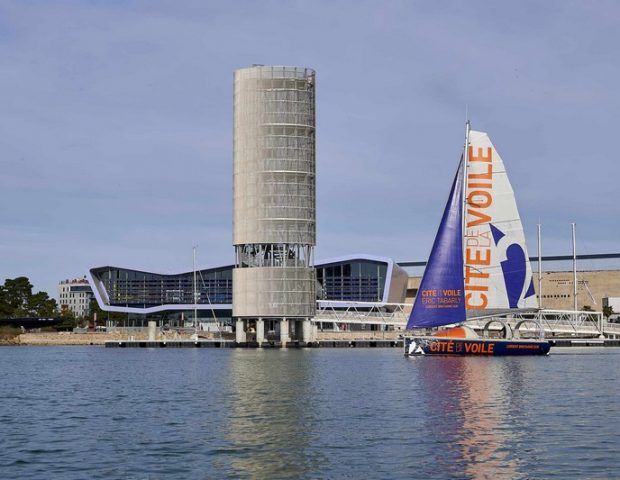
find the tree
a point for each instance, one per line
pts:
(5, 309)
(40, 305)
(608, 311)
(15, 295)
(17, 300)
(68, 319)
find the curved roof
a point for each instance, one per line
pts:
(104, 301)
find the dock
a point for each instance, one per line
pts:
(584, 342)
(560, 343)
(265, 345)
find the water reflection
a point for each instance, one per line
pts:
(271, 416)
(76, 413)
(470, 414)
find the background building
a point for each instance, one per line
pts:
(598, 277)
(75, 295)
(274, 204)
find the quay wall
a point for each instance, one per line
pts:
(98, 338)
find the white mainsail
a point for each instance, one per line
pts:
(497, 270)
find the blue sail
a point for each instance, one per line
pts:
(440, 298)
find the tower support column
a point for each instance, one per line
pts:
(260, 331)
(306, 331)
(240, 331)
(284, 332)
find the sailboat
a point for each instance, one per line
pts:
(478, 266)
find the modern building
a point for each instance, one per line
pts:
(365, 280)
(75, 295)
(274, 204)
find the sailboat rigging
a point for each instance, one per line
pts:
(478, 263)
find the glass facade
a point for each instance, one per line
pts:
(355, 281)
(132, 288)
(348, 280)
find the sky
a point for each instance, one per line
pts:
(116, 123)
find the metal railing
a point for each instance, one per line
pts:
(366, 313)
(395, 316)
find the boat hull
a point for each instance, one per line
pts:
(486, 347)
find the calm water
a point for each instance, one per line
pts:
(77, 413)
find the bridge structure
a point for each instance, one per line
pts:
(343, 316)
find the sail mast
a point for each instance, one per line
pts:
(574, 270)
(540, 295)
(464, 194)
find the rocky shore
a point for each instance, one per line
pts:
(9, 340)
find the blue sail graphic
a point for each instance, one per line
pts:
(440, 298)
(514, 270)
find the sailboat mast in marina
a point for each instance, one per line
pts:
(478, 263)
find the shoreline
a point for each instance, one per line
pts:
(176, 340)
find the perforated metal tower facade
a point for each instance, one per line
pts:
(274, 203)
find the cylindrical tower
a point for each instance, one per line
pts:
(274, 203)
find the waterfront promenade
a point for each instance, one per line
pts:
(139, 339)
(141, 335)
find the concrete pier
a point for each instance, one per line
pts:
(152, 329)
(307, 331)
(272, 344)
(240, 335)
(323, 343)
(284, 331)
(260, 331)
